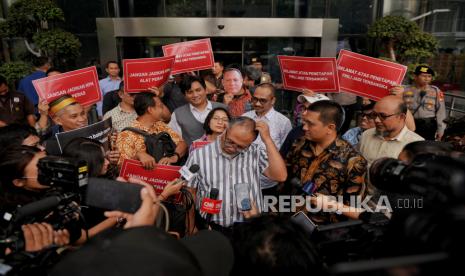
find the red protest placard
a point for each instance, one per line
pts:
(210, 206)
(143, 73)
(366, 76)
(190, 55)
(82, 84)
(315, 73)
(158, 177)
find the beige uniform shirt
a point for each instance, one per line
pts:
(429, 106)
(373, 146)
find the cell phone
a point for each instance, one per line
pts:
(242, 196)
(113, 195)
(305, 222)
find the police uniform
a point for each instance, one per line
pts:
(427, 106)
(15, 107)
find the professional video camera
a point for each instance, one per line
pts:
(435, 179)
(426, 238)
(59, 207)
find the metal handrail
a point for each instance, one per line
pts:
(452, 105)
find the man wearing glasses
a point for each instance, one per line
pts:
(233, 159)
(366, 121)
(263, 101)
(390, 134)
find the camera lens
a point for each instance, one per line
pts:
(385, 173)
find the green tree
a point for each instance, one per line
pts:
(36, 22)
(14, 71)
(403, 40)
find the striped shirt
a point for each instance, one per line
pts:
(218, 170)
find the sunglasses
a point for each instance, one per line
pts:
(262, 101)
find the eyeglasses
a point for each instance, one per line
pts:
(381, 116)
(230, 143)
(368, 115)
(225, 119)
(262, 101)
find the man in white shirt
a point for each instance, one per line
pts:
(391, 134)
(263, 101)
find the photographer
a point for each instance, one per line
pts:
(19, 186)
(18, 177)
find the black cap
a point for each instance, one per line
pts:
(150, 251)
(423, 69)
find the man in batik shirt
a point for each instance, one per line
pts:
(326, 162)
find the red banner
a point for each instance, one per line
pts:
(315, 73)
(141, 74)
(157, 177)
(210, 206)
(191, 55)
(82, 84)
(366, 76)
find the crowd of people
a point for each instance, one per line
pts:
(330, 145)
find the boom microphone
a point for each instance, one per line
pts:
(37, 207)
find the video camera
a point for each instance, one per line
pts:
(63, 174)
(435, 179)
(426, 239)
(59, 207)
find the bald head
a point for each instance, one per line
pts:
(244, 125)
(391, 111)
(392, 104)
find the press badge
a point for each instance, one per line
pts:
(16, 99)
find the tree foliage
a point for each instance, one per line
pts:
(403, 39)
(35, 21)
(14, 71)
(58, 43)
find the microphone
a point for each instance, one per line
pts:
(422, 94)
(213, 195)
(188, 174)
(309, 188)
(37, 207)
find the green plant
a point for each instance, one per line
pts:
(14, 71)
(403, 39)
(58, 43)
(34, 21)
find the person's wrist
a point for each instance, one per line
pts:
(178, 157)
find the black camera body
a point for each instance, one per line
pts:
(65, 174)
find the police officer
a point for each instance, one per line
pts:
(426, 102)
(264, 76)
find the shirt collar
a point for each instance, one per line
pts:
(108, 78)
(399, 136)
(137, 124)
(209, 107)
(269, 115)
(122, 111)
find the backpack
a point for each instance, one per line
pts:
(158, 145)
